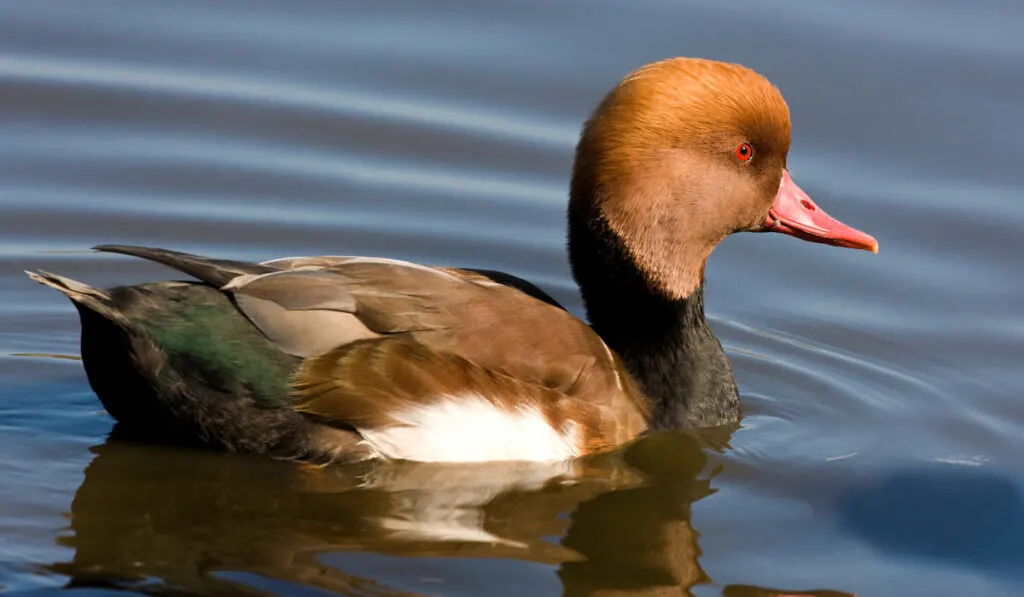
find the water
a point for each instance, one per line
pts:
(881, 451)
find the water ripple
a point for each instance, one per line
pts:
(298, 95)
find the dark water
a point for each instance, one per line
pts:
(881, 451)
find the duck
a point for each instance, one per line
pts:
(330, 359)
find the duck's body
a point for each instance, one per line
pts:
(329, 358)
(340, 358)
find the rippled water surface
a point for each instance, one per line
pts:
(881, 452)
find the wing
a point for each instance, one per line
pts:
(309, 310)
(308, 305)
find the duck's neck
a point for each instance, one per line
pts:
(665, 343)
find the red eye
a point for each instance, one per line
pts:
(744, 152)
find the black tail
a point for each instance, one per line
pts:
(215, 272)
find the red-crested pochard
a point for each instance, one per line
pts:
(342, 358)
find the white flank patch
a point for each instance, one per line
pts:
(468, 428)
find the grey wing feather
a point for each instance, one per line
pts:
(308, 311)
(298, 290)
(304, 332)
(305, 312)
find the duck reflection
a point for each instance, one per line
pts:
(164, 521)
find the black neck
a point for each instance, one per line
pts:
(665, 343)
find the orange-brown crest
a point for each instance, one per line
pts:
(690, 101)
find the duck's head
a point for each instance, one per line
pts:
(682, 153)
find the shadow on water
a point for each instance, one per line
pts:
(174, 522)
(969, 517)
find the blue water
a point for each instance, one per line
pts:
(880, 454)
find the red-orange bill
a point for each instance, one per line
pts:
(794, 213)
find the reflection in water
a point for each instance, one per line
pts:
(170, 521)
